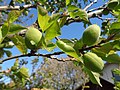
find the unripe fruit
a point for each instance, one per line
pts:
(32, 38)
(91, 35)
(93, 62)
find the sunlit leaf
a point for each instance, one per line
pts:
(62, 21)
(19, 43)
(68, 2)
(54, 17)
(103, 50)
(13, 15)
(113, 58)
(69, 50)
(116, 45)
(75, 12)
(4, 30)
(94, 77)
(24, 72)
(15, 28)
(52, 31)
(115, 27)
(43, 18)
(49, 46)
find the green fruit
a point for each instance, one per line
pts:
(112, 4)
(93, 62)
(32, 38)
(91, 35)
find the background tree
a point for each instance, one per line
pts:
(43, 33)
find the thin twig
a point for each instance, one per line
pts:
(17, 7)
(88, 6)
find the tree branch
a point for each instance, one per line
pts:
(88, 6)
(17, 7)
(29, 55)
(90, 15)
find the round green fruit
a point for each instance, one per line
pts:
(32, 38)
(93, 62)
(91, 35)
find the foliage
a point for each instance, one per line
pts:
(52, 15)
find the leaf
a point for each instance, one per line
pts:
(78, 45)
(116, 71)
(67, 49)
(24, 72)
(52, 31)
(0, 35)
(1, 54)
(13, 15)
(116, 45)
(62, 21)
(68, 42)
(4, 30)
(114, 27)
(54, 17)
(72, 8)
(49, 46)
(113, 58)
(19, 43)
(8, 53)
(15, 28)
(103, 50)
(75, 11)
(68, 2)
(81, 13)
(94, 77)
(43, 18)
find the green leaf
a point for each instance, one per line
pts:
(52, 31)
(116, 45)
(43, 18)
(113, 58)
(15, 28)
(54, 17)
(24, 72)
(103, 50)
(67, 49)
(49, 46)
(115, 27)
(4, 30)
(72, 8)
(78, 45)
(68, 2)
(19, 43)
(116, 71)
(0, 35)
(62, 21)
(94, 77)
(68, 42)
(75, 11)
(81, 13)
(13, 15)
(8, 53)
(1, 53)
